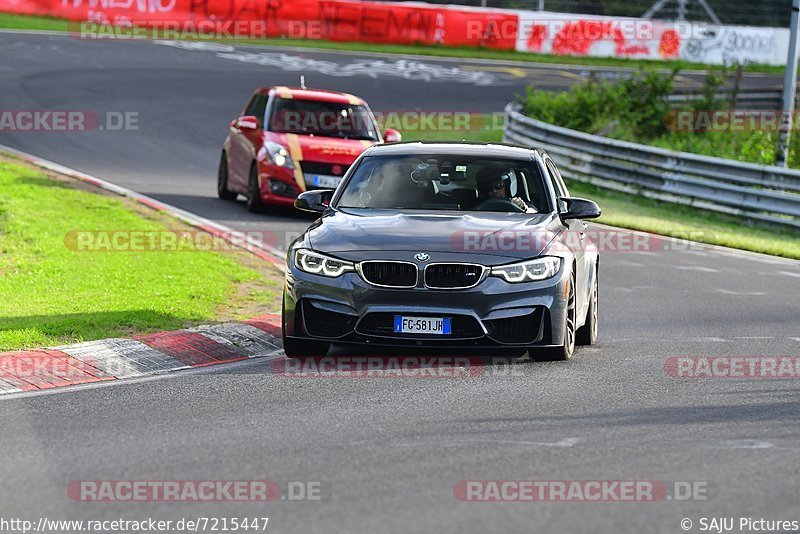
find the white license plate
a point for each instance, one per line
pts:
(422, 325)
(320, 180)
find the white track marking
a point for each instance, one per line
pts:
(6, 388)
(122, 358)
(241, 338)
(740, 293)
(566, 442)
(697, 268)
(740, 444)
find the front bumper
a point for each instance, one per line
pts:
(494, 313)
(281, 186)
(277, 185)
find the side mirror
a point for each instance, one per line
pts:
(392, 136)
(580, 208)
(247, 122)
(315, 201)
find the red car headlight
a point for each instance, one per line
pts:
(278, 155)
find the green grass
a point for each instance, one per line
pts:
(52, 294)
(25, 22)
(684, 222)
(10, 21)
(489, 135)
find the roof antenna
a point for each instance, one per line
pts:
(303, 82)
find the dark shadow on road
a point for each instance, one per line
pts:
(786, 411)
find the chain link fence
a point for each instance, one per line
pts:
(773, 13)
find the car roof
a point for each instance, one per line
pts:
(490, 150)
(319, 95)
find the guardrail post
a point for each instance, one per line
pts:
(787, 121)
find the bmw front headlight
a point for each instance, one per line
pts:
(316, 263)
(530, 270)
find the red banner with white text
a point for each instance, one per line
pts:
(335, 20)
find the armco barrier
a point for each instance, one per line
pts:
(757, 192)
(767, 99)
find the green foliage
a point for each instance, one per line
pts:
(711, 87)
(636, 109)
(639, 102)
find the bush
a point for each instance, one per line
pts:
(638, 102)
(636, 109)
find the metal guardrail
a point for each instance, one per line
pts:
(761, 100)
(756, 192)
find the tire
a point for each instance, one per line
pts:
(564, 352)
(301, 349)
(587, 334)
(222, 180)
(254, 203)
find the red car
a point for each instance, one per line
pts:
(289, 140)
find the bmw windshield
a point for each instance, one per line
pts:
(458, 183)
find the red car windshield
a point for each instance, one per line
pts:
(326, 119)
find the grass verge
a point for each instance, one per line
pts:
(477, 136)
(51, 293)
(25, 22)
(685, 222)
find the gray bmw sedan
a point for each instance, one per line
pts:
(453, 245)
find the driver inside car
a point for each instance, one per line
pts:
(494, 183)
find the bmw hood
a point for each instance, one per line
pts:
(356, 234)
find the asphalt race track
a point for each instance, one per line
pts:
(388, 452)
